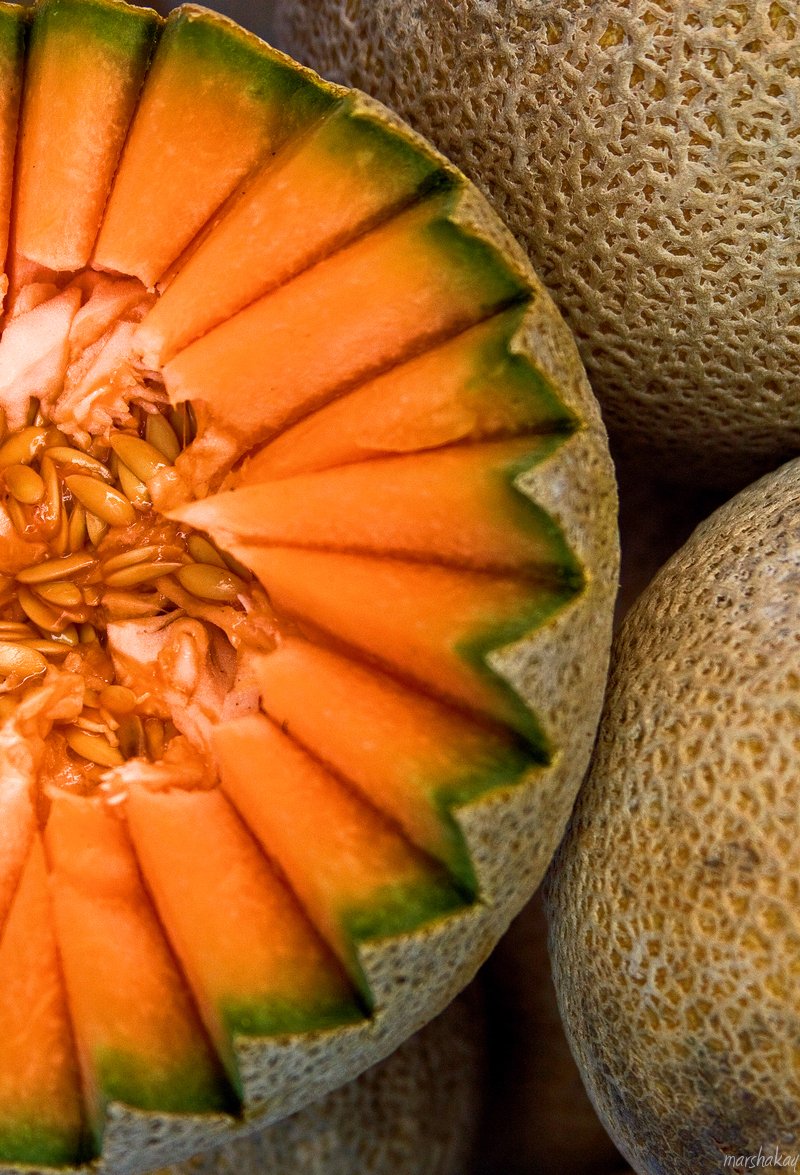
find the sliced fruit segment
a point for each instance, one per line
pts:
(413, 757)
(13, 20)
(41, 1116)
(139, 1037)
(345, 174)
(86, 65)
(457, 505)
(399, 288)
(434, 625)
(354, 872)
(473, 387)
(17, 821)
(216, 100)
(34, 353)
(268, 972)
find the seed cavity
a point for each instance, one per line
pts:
(104, 556)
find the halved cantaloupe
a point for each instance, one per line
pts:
(296, 751)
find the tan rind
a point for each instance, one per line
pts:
(415, 1113)
(674, 908)
(648, 157)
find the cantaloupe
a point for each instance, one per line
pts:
(674, 919)
(299, 735)
(647, 156)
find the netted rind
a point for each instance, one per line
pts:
(415, 1112)
(648, 155)
(674, 899)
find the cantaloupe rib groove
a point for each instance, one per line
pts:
(408, 345)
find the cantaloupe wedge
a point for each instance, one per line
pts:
(353, 870)
(411, 756)
(308, 554)
(435, 626)
(139, 1037)
(41, 1103)
(344, 175)
(85, 67)
(407, 284)
(473, 387)
(254, 962)
(457, 506)
(211, 134)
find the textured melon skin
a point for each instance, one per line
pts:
(673, 900)
(647, 156)
(511, 833)
(416, 1113)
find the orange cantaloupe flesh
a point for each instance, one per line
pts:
(473, 387)
(455, 506)
(86, 64)
(139, 1037)
(34, 354)
(434, 625)
(418, 277)
(255, 964)
(17, 827)
(215, 102)
(410, 755)
(12, 51)
(347, 172)
(41, 1108)
(355, 874)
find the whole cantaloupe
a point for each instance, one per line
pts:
(647, 155)
(675, 918)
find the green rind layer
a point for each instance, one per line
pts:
(392, 910)
(184, 1089)
(280, 1016)
(28, 1144)
(474, 649)
(203, 44)
(352, 130)
(481, 264)
(121, 30)
(506, 770)
(502, 374)
(13, 28)
(401, 908)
